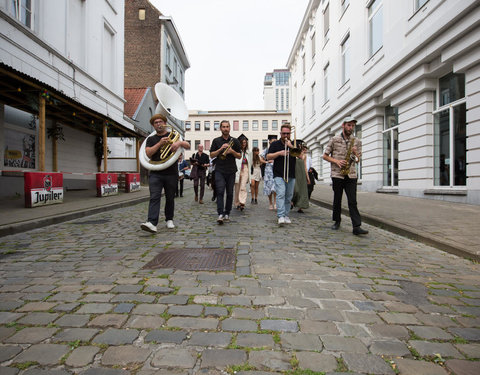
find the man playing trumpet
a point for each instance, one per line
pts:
(161, 179)
(225, 150)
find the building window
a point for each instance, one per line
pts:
(264, 125)
(264, 144)
(326, 22)
(345, 4)
(419, 4)
(108, 57)
(141, 14)
(255, 125)
(255, 143)
(325, 84)
(236, 125)
(20, 130)
(216, 125)
(197, 126)
(450, 138)
(313, 47)
(245, 125)
(303, 112)
(206, 125)
(188, 126)
(274, 124)
(303, 66)
(346, 59)
(23, 10)
(375, 26)
(390, 147)
(168, 53)
(197, 143)
(207, 144)
(313, 98)
(287, 107)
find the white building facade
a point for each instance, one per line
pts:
(277, 90)
(72, 53)
(203, 126)
(409, 71)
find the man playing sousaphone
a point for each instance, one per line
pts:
(161, 179)
(343, 151)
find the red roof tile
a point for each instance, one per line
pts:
(133, 99)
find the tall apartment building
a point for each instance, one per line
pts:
(203, 126)
(61, 87)
(276, 90)
(409, 71)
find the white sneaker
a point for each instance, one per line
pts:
(170, 224)
(149, 227)
(226, 218)
(220, 219)
(281, 221)
(287, 220)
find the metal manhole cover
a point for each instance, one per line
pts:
(97, 221)
(194, 260)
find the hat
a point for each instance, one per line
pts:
(158, 116)
(241, 137)
(272, 136)
(349, 119)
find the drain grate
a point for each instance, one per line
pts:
(194, 260)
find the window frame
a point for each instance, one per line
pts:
(370, 17)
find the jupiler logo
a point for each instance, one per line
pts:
(47, 182)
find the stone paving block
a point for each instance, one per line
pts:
(6, 332)
(352, 330)
(430, 333)
(395, 306)
(248, 313)
(174, 300)
(10, 305)
(175, 358)
(73, 320)
(367, 363)
(267, 301)
(325, 315)
(285, 313)
(470, 350)
(193, 323)
(95, 308)
(8, 317)
(279, 325)
(390, 348)
(221, 358)
(123, 308)
(149, 309)
(223, 290)
(343, 344)
(215, 339)
(104, 371)
(97, 288)
(471, 334)
(425, 348)
(215, 311)
(113, 336)
(144, 322)
(412, 367)
(191, 291)
(188, 310)
(236, 301)
(45, 371)
(38, 318)
(163, 336)
(369, 305)
(301, 341)
(357, 317)
(66, 296)
(318, 362)
(82, 356)
(158, 289)
(319, 328)
(108, 320)
(74, 334)
(255, 340)
(44, 354)
(212, 300)
(462, 367)
(9, 351)
(301, 302)
(270, 360)
(124, 355)
(133, 297)
(31, 335)
(231, 324)
(95, 297)
(387, 330)
(66, 307)
(37, 306)
(399, 318)
(8, 371)
(127, 289)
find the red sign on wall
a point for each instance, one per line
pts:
(43, 188)
(107, 184)
(132, 182)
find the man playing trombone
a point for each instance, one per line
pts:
(225, 149)
(283, 172)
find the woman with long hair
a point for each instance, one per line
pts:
(256, 174)
(242, 176)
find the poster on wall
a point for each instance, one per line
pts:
(19, 150)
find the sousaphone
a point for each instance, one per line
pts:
(170, 103)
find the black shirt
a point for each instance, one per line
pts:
(279, 161)
(152, 141)
(228, 165)
(201, 159)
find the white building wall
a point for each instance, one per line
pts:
(418, 48)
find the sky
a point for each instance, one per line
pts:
(231, 44)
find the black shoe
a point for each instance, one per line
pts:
(336, 225)
(256, 201)
(359, 230)
(213, 198)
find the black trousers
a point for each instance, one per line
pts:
(179, 187)
(157, 183)
(224, 182)
(350, 187)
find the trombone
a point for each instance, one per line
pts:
(294, 151)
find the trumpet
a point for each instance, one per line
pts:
(295, 152)
(223, 155)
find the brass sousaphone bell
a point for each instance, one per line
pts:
(170, 103)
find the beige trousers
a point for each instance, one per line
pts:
(241, 187)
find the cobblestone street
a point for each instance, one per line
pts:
(75, 298)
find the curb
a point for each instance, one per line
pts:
(405, 231)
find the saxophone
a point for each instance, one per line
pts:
(348, 158)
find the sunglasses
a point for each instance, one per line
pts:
(285, 133)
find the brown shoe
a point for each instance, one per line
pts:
(200, 201)
(196, 198)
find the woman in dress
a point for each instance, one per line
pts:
(268, 182)
(300, 192)
(242, 177)
(256, 174)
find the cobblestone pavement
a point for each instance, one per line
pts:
(302, 299)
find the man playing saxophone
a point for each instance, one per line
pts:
(343, 151)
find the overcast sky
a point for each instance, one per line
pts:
(231, 44)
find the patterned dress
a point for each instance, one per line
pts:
(268, 183)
